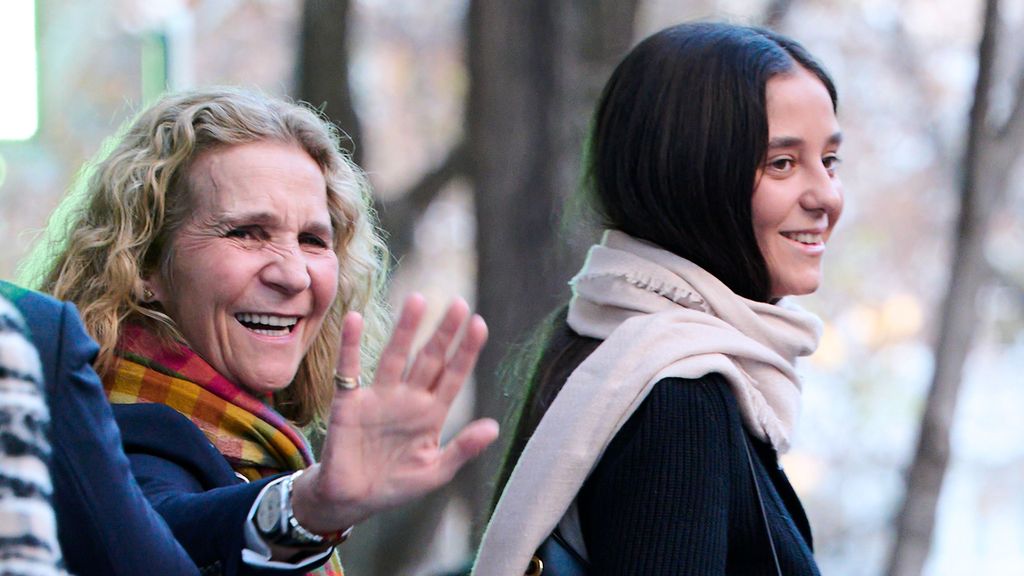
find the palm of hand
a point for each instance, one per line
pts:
(383, 442)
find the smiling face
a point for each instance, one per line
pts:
(798, 197)
(253, 271)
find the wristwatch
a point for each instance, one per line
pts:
(276, 523)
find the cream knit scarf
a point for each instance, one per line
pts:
(660, 316)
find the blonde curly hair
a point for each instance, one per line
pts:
(119, 228)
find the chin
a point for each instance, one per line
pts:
(795, 289)
(267, 385)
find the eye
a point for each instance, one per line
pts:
(831, 162)
(781, 165)
(248, 234)
(312, 240)
(243, 232)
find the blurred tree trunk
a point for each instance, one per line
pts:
(322, 71)
(393, 542)
(536, 68)
(990, 155)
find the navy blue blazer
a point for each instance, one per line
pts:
(104, 523)
(172, 504)
(193, 487)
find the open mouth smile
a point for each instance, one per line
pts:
(807, 238)
(267, 324)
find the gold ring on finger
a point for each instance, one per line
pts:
(346, 382)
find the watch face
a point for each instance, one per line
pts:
(268, 513)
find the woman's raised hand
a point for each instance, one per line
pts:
(383, 444)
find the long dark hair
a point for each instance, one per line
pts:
(672, 157)
(677, 139)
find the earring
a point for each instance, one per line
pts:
(147, 295)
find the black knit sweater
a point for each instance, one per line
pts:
(673, 493)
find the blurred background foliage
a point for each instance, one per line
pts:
(469, 116)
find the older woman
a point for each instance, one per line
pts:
(220, 251)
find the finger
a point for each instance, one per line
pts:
(351, 338)
(461, 364)
(395, 356)
(468, 444)
(430, 360)
(348, 365)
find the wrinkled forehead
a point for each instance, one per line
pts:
(263, 176)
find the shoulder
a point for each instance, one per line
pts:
(157, 432)
(30, 301)
(14, 334)
(158, 428)
(705, 402)
(698, 416)
(56, 330)
(50, 321)
(689, 419)
(43, 313)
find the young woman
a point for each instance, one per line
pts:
(660, 396)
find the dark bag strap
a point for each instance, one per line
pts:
(760, 503)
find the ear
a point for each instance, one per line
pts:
(151, 289)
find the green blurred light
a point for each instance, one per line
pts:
(154, 67)
(3, 171)
(19, 110)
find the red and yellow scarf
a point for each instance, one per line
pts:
(254, 439)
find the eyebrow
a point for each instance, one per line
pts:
(793, 141)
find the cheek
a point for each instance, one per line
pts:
(837, 207)
(766, 214)
(324, 273)
(211, 284)
(186, 286)
(199, 262)
(767, 204)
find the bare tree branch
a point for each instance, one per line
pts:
(533, 69)
(1005, 278)
(776, 12)
(978, 116)
(983, 181)
(908, 63)
(1013, 129)
(399, 216)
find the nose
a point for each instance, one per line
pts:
(823, 192)
(287, 272)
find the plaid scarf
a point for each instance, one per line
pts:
(255, 440)
(252, 436)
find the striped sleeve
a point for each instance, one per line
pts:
(28, 530)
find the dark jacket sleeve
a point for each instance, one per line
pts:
(191, 485)
(105, 524)
(658, 500)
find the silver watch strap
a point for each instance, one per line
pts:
(297, 532)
